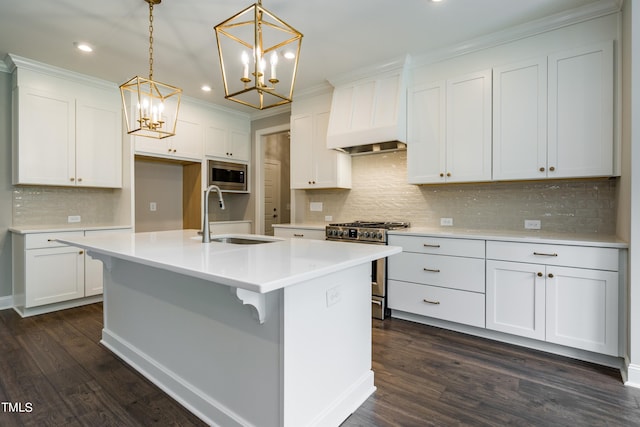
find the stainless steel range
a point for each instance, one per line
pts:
(371, 232)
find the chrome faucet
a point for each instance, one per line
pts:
(206, 238)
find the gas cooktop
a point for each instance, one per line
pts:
(363, 231)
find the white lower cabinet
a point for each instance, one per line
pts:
(575, 304)
(299, 232)
(441, 278)
(46, 271)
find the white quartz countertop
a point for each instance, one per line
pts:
(591, 239)
(260, 268)
(61, 229)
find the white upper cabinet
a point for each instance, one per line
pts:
(553, 116)
(520, 120)
(450, 130)
(369, 110)
(313, 165)
(186, 144)
(228, 142)
(69, 137)
(581, 112)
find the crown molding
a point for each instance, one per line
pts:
(14, 62)
(391, 66)
(539, 26)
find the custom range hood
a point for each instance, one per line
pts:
(368, 113)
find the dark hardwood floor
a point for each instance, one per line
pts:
(54, 372)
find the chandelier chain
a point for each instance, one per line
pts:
(150, 40)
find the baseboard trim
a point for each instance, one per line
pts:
(6, 302)
(633, 375)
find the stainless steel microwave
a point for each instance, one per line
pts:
(227, 175)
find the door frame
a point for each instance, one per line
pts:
(259, 175)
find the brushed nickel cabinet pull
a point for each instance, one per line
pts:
(427, 245)
(432, 270)
(543, 254)
(431, 302)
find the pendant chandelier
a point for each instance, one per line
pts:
(150, 107)
(258, 57)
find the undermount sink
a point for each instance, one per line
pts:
(239, 239)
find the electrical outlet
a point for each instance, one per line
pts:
(328, 218)
(315, 206)
(446, 222)
(333, 296)
(73, 218)
(153, 206)
(532, 224)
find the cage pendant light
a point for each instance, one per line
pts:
(259, 57)
(150, 107)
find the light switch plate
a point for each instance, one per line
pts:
(315, 206)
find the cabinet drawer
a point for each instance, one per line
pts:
(439, 270)
(439, 245)
(568, 256)
(299, 233)
(48, 240)
(446, 304)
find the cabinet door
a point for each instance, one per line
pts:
(188, 140)
(215, 141)
(469, 128)
(581, 112)
(520, 120)
(426, 134)
(44, 129)
(301, 151)
(324, 160)
(582, 309)
(53, 275)
(99, 142)
(515, 298)
(239, 145)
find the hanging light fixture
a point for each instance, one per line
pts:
(150, 107)
(259, 57)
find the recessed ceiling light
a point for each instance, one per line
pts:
(206, 88)
(289, 55)
(85, 47)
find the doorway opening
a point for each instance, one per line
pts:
(273, 204)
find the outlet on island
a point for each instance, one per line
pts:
(73, 218)
(532, 224)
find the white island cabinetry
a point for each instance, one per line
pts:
(265, 320)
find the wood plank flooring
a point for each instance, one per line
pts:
(425, 377)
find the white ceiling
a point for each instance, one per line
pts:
(339, 35)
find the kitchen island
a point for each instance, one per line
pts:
(267, 334)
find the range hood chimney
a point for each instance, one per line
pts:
(368, 112)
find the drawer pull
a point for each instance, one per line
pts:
(427, 245)
(431, 302)
(298, 235)
(376, 302)
(543, 254)
(432, 270)
(51, 240)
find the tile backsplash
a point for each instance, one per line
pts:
(36, 206)
(380, 192)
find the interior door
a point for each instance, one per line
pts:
(272, 195)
